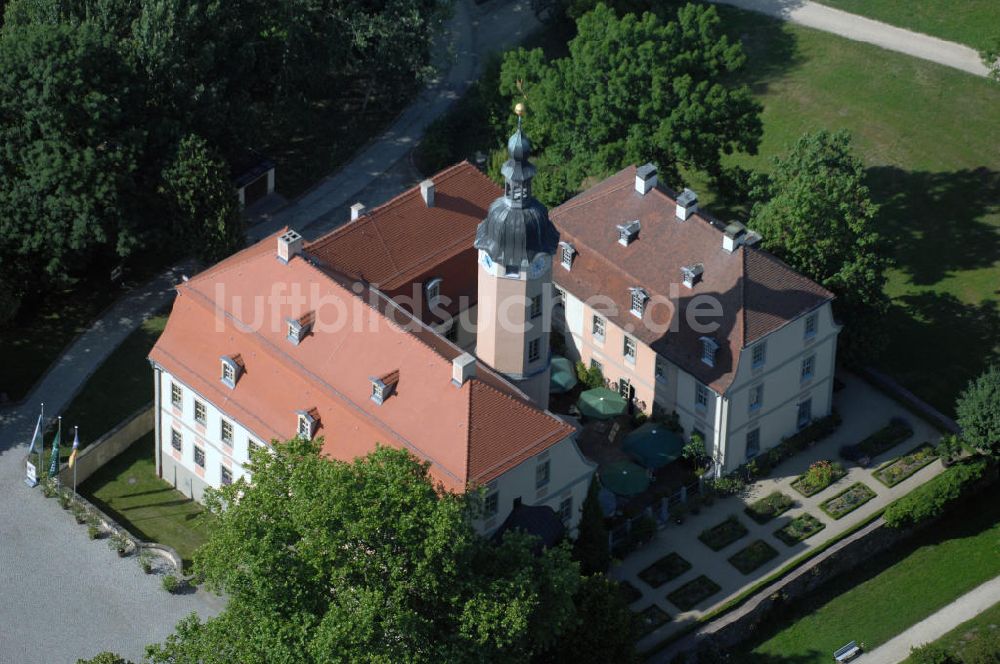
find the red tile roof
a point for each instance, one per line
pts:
(757, 292)
(238, 307)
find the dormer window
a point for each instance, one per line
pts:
(383, 386)
(708, 350)
(232, 368)
(627, 233)
(433, 291)
(639, 298)
(691, 274)
(306, 423)
(299, 327)
(566, 254)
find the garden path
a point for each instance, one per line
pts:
(864, 410)
(933, 627)
(859, 28)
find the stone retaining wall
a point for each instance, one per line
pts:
(108, 446)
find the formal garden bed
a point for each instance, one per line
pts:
(629, 592)
(768, 507)
(667, 568)
(722, 535)
(693, 593)
(752, 557)
(879, 442)
(820, 475)
(799, 529)
(651, 618)
(894, 472)
(847, 500)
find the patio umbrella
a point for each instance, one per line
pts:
(563, 376)
(653, 445)
(601, 403)
(624, 478)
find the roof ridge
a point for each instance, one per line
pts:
(743, 296)
(583, 199)
(239, 258)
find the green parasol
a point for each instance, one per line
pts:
(624, 478)
(653, 445)
(601, 403)
(563, 376)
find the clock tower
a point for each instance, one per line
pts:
(516, 243)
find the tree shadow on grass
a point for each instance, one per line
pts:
(934, 221)
(939, 343)
(770, 47)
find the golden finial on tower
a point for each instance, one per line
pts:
(519, 109)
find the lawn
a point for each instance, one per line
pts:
(970, 22)
(969, 634)
(929, 138)
(891, 591)
(128, 490)
(722, 535)
(667, 568)
(118, 388)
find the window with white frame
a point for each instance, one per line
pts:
(230, 371)
(306, 425)
(199, 457)
(753, 443)
(629, 349)
(542, 474)
(534, 350)
(176, 440)
(176, 395)
(627, 233)
(661, 368)
(566, 254)
(808, 366)
(759, 355)
(566, 510)
(200, 412)
(433, 291)
(709, 347)
(226, 432)
(756, 397)
(700, 397)
(225, 476)
(598, 328)
(558, 295)
(638, 301)
(491, 505)
(536, 307)
(811, 324)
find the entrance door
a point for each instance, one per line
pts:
(805, 413)
(627, 391)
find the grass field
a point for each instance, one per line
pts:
(889, 592)
(955, 641)
(117, 389)
(128, 490)
(969, 22)
(930, 138)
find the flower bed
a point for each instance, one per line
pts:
(798, 529)
(652, 617)
(752, 557)
(768, 507)
(720, 536)
(667, 568)
(882, 440)
(898, 470)
(629, 592)
(693, 593)
(847, 500)
(820, 475)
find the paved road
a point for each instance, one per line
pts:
(65, 596)
(381, 169)
(966, 607)
(859, 28)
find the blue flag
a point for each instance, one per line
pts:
(37, 438)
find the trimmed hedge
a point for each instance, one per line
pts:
(930, 499)
(847, 500)
(768, 507)
(881, 441)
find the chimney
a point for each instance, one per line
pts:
(645, 178)
(687, 204)
(733, 236)
(357, 210)
(427, 192)
(289, 245)
(463, 368)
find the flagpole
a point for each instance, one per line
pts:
(41, 448)
(76, 439)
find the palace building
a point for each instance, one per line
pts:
(427, 324)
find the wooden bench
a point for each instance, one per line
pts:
(847, 653)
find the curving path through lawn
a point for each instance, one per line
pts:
(860, 28)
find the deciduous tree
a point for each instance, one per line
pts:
(978, 410)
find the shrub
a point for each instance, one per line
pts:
(93, 531)
(589, 376)
(820, 475)
(79, 513)
(65, 499)
(730, 485)
(930, 499)
(978, 410)
(768, 507)
(931, 654)
(145, 561)
(949, 449)
(119, 542)
(49, 487)
(171, 584)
